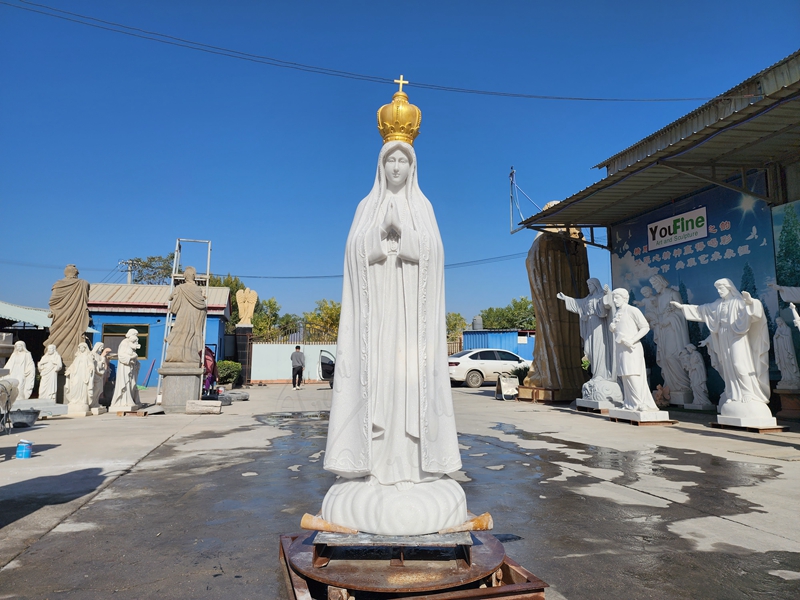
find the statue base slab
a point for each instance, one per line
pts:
(640, 416)
(748, 422)
(182, 383)
(601, 407)
(790, 404)
(546, 395)
(680, 397)
(46, 408)
(78, 410)
(99, 410)
(123, 408)
(367, 506)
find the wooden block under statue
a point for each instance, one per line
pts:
(182, 383)
(790, 404)
(547, 395)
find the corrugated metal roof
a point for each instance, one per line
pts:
(120, 297)
(764, 132)
(29, 315)
(767, 83)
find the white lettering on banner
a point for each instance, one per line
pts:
(681, 228)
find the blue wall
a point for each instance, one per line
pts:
(502, 339)
(215, 335)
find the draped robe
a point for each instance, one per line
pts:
(69, 305)
(740, 338)
(392, 409)
(21, 367)
(597, 343)
(186, 337)
(49, 366)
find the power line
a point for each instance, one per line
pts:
(109, 276)
(275, 62)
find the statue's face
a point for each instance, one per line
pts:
(82, 348)
(396, 166)
(592, 287)
(51, 349)
(779, 321)
(619, 299)
(722, 290)
(657, 283)
(19, 347)
(646, 292)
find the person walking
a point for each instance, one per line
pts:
(298, 364)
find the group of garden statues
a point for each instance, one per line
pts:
(85, 370)
(738, 347)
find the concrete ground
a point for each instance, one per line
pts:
(182, 506)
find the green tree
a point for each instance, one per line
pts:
(156, 270)
(323, 321)
(517, 315)
(787, 266)
(265, 317)
(234, 284)
(456, 323)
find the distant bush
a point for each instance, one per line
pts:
(229, 371)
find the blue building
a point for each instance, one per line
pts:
(518, 342)
(116, 308)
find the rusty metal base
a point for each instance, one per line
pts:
(368, 573)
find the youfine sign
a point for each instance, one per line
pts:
(679, 229)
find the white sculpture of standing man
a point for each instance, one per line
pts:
(671, 336)
(785, 356)
(740, 338)
(392, 435)
(80, 379)
(21, 368)
(694, 365)
(49, 366)
(126, 394)
(628, 327)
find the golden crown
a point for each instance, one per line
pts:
(399, 120)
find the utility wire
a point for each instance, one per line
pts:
(468, 263)
(275, 62)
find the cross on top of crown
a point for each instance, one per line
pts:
(401, 81)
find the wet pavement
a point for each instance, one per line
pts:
(598, 510)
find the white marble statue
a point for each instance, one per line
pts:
(21, 368)
(392, 434)
(649, 304)
(785, 356)
(126, 394)
(788, 294)
(693, 364)
(594, 315)
(740, 338)
(80, 381)
(671, 334)
(49, 366)
(795, 316)
(628, 328)
(100, 360)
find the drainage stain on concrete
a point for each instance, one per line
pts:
(594, 522)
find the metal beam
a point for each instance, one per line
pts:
(548, 229)
(690, 173)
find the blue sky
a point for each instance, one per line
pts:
(113, 146)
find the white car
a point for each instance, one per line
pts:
(473, 367)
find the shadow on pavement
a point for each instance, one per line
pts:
(25, 497)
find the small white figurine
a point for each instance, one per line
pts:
(49, 366)
(21, 369)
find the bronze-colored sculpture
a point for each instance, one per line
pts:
(69, 309)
